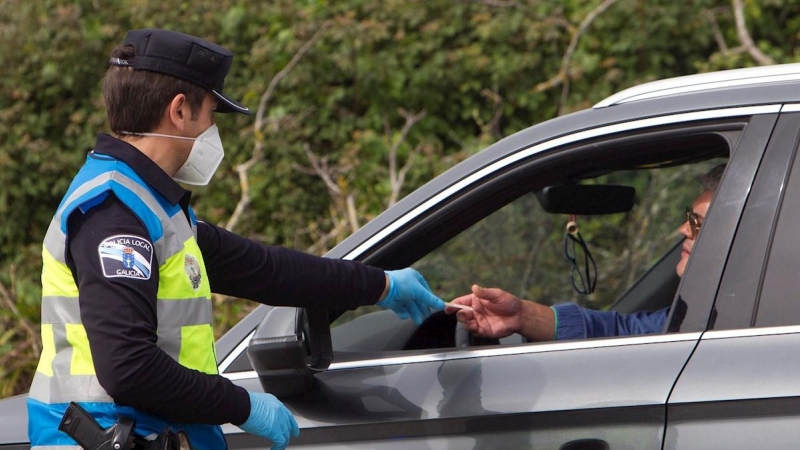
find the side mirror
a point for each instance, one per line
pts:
(586, 199)
(289, 347)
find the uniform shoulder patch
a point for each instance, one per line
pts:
(126, 256)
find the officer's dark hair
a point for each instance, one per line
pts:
(135, 99)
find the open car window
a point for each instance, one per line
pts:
(506, 239)
(521, 248)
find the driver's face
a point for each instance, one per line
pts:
(699, 208)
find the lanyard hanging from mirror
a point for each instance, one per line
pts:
(583, 278)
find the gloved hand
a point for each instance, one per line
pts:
(270, 419)
(410, 296)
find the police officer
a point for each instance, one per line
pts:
(128, 270)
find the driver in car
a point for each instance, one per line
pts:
(496, 313)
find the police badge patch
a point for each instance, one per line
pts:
(126, 256)
(192, 267)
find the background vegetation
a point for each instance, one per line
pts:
(358, 102)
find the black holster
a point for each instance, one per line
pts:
(82, 427)
(170, 440)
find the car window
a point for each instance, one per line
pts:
(521, 248)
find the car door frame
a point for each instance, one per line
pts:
(661, 356)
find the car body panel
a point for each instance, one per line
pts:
(752, 400)
(529, 382)
(14, 420)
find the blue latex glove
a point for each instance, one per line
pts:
(270, 419)
(410, 296)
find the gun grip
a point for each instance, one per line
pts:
(82, 427)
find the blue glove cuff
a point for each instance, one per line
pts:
(270, 419)
(410, 296)
(250, 424)
(391, 294)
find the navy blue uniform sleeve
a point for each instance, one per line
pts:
(574, 322)
(278, 276)
(119, 314)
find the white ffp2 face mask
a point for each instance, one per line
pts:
(203, 160)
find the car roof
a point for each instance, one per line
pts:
(767, 85)
(735, 78)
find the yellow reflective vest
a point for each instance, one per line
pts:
(66, 372)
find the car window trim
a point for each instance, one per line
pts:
(751, 332)
(458, 354)
(235, 353)
(556, 142)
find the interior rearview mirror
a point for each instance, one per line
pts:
(288, 347)
(586, 199)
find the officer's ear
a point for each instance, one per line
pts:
(178, 112)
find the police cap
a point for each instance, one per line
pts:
(183, 56)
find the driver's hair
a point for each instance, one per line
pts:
(712, 178)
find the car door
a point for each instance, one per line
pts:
(589, 394)
(740, 389)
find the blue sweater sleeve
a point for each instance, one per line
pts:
(574, 322)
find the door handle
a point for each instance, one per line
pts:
(585, 444)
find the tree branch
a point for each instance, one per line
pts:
(320, 245)
(396, 178)
(344, 211)
(345, 201)
(712, 19)
(262, 106)
(319, 166)
(494, 123)
(573, 45)
(258, 150)
(352, 212)
(745, 38)
(562, 77)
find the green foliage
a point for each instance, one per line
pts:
(479, 70)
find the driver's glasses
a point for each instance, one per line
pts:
(694, 221)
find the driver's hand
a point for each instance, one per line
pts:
(495, 313)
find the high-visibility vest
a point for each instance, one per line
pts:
(66, 372)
